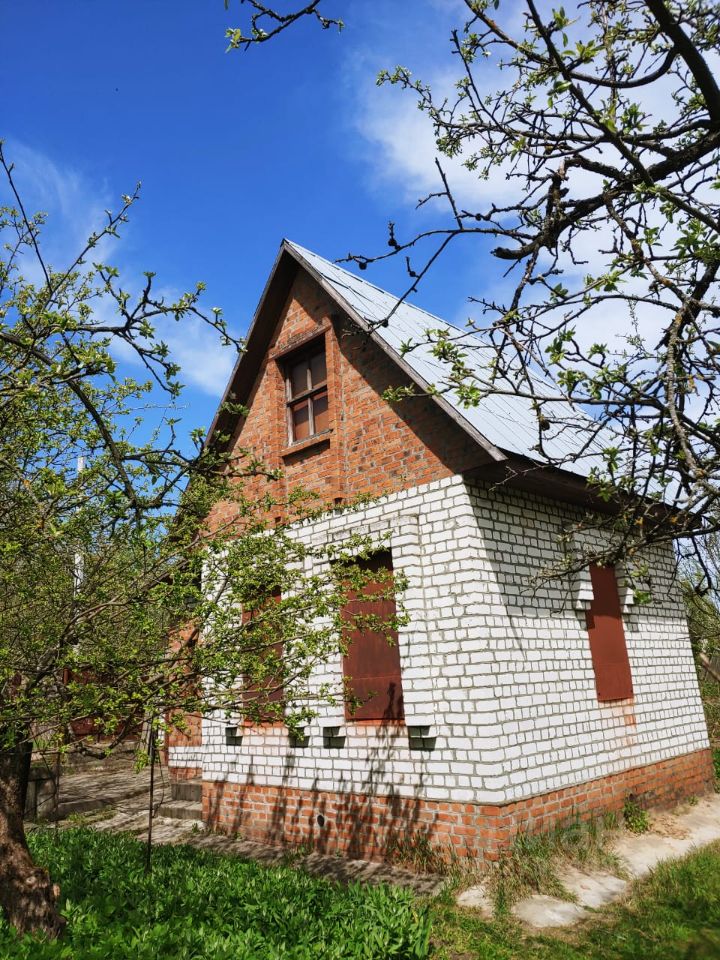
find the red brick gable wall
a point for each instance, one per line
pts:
(372, 447)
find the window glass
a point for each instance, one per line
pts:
(318, 369)
(301, 420)
(320, 412)
(298, 378)
(306, 377)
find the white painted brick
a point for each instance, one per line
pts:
(504, 669)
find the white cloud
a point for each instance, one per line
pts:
(75, 206)
(196, 347)
(401, 151)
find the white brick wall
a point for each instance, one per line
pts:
(497, 662)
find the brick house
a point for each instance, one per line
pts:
(503, 706)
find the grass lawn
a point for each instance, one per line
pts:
(203, 906)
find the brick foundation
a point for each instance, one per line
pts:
(361, 826)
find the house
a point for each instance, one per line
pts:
(507, 704)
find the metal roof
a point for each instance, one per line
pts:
(505, 422)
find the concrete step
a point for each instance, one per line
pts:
(186, 790)
(181, 810)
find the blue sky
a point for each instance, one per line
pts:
(234, 150)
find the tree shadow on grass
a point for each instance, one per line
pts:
(204, 906)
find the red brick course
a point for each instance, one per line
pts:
(375, 448)
(186, 773)
(372, 447)
(357, 825)
(189, 736)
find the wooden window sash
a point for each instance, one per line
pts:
(310, 394)
(296, 397)
(312, 414)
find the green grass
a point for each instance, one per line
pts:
(674, 914)
(201, 906)
(635, 817)
(710, 693)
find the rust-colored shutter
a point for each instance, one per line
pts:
(372, 663)
(269, 690)
(613, 680)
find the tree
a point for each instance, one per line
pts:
(605, 133)
(703, 615)
(101, 566)
(266, 22)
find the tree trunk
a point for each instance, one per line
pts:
(28, 897)
(707, 664)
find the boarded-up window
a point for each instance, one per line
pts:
(259, 692)
(372, 663)
(307, 396)
(613, 680)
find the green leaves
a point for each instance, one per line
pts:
(200, 906)
(103, 565)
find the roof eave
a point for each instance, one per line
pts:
(245, 358)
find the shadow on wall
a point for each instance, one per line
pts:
(373, 822)
(546, 643)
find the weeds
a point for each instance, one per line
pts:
(293, 855)
(77, 819)
(531, 863)
(201, 905)
(418, 853)
(90, 817)
(636, 819)
(673, 914)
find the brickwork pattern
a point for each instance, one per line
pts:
(189, 736)
(186, 773)
(359, 825)
(495, 661)
(371, 447)
(499, 667)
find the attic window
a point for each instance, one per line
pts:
(306, 393)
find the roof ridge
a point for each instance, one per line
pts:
(504, 422)
(303, 250)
